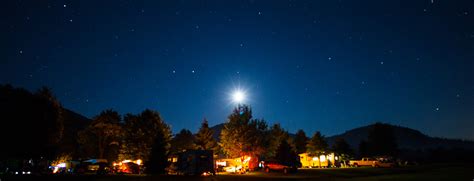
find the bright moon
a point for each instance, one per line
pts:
(238, 96)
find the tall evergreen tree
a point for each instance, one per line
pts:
(182, 141)
(158, 160)
(342, 149)
(301, 140)
(276, 136)
(204, 138)
(242, 135)
(285, 154)
(234, 135)
(317, 145)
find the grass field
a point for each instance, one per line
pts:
(426, 172)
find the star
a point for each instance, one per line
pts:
(21, 51)
(64, 5)
(437, 109)
(329, 58)
(192, 71)
(259, 13)
(241, 45)
(197, 26)
(381, 63)
(70, 20)
(174, 71)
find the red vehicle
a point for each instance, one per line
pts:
(276, 166)
(128, 168)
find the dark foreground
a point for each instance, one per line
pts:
(427, 172)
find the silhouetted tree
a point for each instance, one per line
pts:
(55, 113)
(276, 136)
(139, 133)
(301, 140)
(182, 141)
(32, 124)
(258, 137)
(106, 133)
(242, 135)
(204, 139)
(133, 144)
(158, 160)
(285, 154)
(342, 149)
(234, 135)
(381, 141)
(317, 145)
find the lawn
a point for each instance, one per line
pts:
(426, 172)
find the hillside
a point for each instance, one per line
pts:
(28, 116)
(407, 138)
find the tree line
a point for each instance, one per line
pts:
(148, 137)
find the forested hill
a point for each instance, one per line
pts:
(406, 138)
(26, 116)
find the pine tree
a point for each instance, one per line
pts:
(159, 155)
(182, 141)
(285, 154)
(317, 145)
(234, 135)
(242, 135)
(276, 136)
(301, 140)
(204, 138)
(342, 149)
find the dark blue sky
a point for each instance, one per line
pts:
(317, 65)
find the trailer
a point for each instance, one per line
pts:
(195, 162)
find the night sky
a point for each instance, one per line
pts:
(317, 65)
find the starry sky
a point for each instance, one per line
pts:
(316, 65)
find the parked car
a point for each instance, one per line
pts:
(128, 168)
(363, 162)
(280, 167)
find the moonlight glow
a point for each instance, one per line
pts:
(238, 96)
